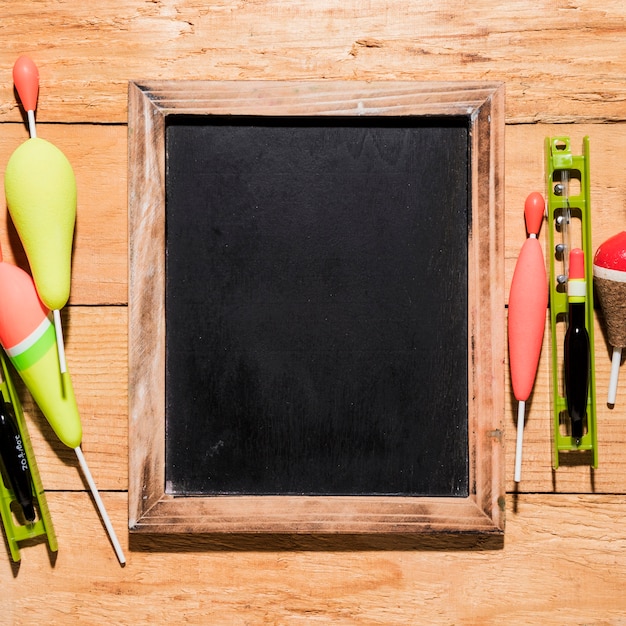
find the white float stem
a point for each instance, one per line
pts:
(521, 412)
(31, 124)
(615, 363)
(96, 496)
(58, 327)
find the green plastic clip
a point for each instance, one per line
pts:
(15, 531)
(569, 219)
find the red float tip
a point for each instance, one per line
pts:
(534, 209)
(26, 80)
(577, 264)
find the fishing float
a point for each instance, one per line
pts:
(40, 190)
(609, 277)
(528, 302)
(28, 338)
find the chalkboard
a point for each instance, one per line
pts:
(307, 288)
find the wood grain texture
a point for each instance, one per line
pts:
(99, 371)
(562, 558)
(561, 562)
(98, 154)
(87, 54)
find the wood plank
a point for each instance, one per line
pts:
(87, 54)
(98, 157)
(99, 373)
(563, 561)
(99, 376)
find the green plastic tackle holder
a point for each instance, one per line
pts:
(15, 530)
(569, 226)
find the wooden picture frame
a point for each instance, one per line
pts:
(151, 508)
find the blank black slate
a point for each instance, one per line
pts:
(316, 306)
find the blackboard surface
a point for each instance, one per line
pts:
(316, 306)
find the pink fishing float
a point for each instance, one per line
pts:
(528, 302)
(28, 337)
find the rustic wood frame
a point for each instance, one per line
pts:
(151, 509)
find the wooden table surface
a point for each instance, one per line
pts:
(562, 559)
